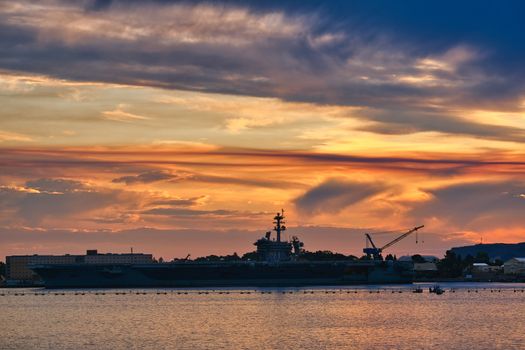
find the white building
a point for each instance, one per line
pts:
(514, 266)
(132, 258)
(485, 268)
(425, 267)
(480, 268)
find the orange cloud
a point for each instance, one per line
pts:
(182, 187)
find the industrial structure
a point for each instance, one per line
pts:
(18, 271)
(376, 253)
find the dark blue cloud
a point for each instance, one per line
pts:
(475, 206)
(335, 195)
(147, 177)
(356, 53)
(54, 198)
(98, 5)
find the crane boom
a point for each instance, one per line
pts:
(370, 240)
(401, 237)
(376, 252)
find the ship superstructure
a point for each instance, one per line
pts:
(276, 250)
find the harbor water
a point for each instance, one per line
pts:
(466, 316)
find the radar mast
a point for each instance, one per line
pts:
(279, 224)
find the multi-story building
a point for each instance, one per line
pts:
(92, 257)
(17, 266)
(514, 266)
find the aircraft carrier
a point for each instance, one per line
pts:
(278, 263)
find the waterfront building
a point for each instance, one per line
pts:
(17, 266)
(92, 257)
(480, 268)
(514, 266)
(483, 272)
(426, 267)
(486, 268)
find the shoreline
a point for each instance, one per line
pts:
(349, 286)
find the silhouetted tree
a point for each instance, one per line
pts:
(498, 262)
(252, 256)
(469, 260)
(325, 255)
(451, 265)
(320, 255)
(418, 258)
(232, 257)
(209, 258)
(482, 257)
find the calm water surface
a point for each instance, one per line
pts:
(330, 318)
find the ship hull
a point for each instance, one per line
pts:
(224, 274)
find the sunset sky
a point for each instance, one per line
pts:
(182, 127)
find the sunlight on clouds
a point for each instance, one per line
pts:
(432, 64)
(326, 39)
(20, 189)
(431, 69)
(236, 125)
(11, 136)
(182, 117)
(508, 118)
(174, 23)
(425, 80)
(449, 61)
(118, 114)
(193, 145)
(252, 112)
(219, 188)
(19, 82)
(338, 140)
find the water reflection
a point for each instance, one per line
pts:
(308, 318)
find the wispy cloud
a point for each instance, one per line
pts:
(119, 159)
(119, 114)
(62, 199)
(230, 48)
(10, 136)
(335, 195)
(180, 202)
(475, 206)
(147, 177)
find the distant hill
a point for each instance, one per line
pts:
(503, 251)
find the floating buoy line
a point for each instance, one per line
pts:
(251, 292)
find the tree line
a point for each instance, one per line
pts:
(453, 265)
